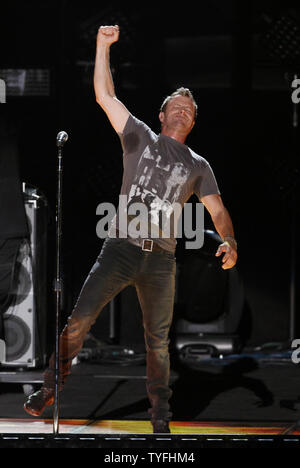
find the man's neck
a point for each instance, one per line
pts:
(175, 135)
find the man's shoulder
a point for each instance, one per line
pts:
(134, 124)
(136, 135)
(198, 159)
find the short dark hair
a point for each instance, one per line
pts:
(179, 92)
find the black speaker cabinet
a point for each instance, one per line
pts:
(25, 319)
(210, 304)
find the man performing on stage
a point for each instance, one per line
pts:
(159, 170)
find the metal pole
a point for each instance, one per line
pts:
(61, 138)
(293, 271)
(58, 288)
(292, 332)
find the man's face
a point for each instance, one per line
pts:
(179, 115)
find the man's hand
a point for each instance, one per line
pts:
(108, 34)
(230, 257)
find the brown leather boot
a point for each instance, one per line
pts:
(160, 426)
(37, 402)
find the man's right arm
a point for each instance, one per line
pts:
(103, 83)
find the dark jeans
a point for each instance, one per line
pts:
(9, 249)
(121, 264)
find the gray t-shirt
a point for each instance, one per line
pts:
(159, 173)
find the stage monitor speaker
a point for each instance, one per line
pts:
(25, 319)
(210, 304)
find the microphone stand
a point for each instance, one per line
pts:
(61, 139)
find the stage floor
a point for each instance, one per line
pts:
(84, 426)
(136, 437)
(246, 399)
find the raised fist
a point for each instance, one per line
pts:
(108, 34)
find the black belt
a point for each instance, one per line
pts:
(148, 245)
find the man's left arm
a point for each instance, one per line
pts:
(224, 227)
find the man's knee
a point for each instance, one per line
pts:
(77, 327)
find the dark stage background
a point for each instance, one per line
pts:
(244, 127)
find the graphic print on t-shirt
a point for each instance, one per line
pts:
(158, 192)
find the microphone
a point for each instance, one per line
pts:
(61, 139)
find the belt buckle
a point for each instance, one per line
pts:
(147, 245)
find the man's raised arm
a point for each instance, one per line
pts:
(103, 82)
